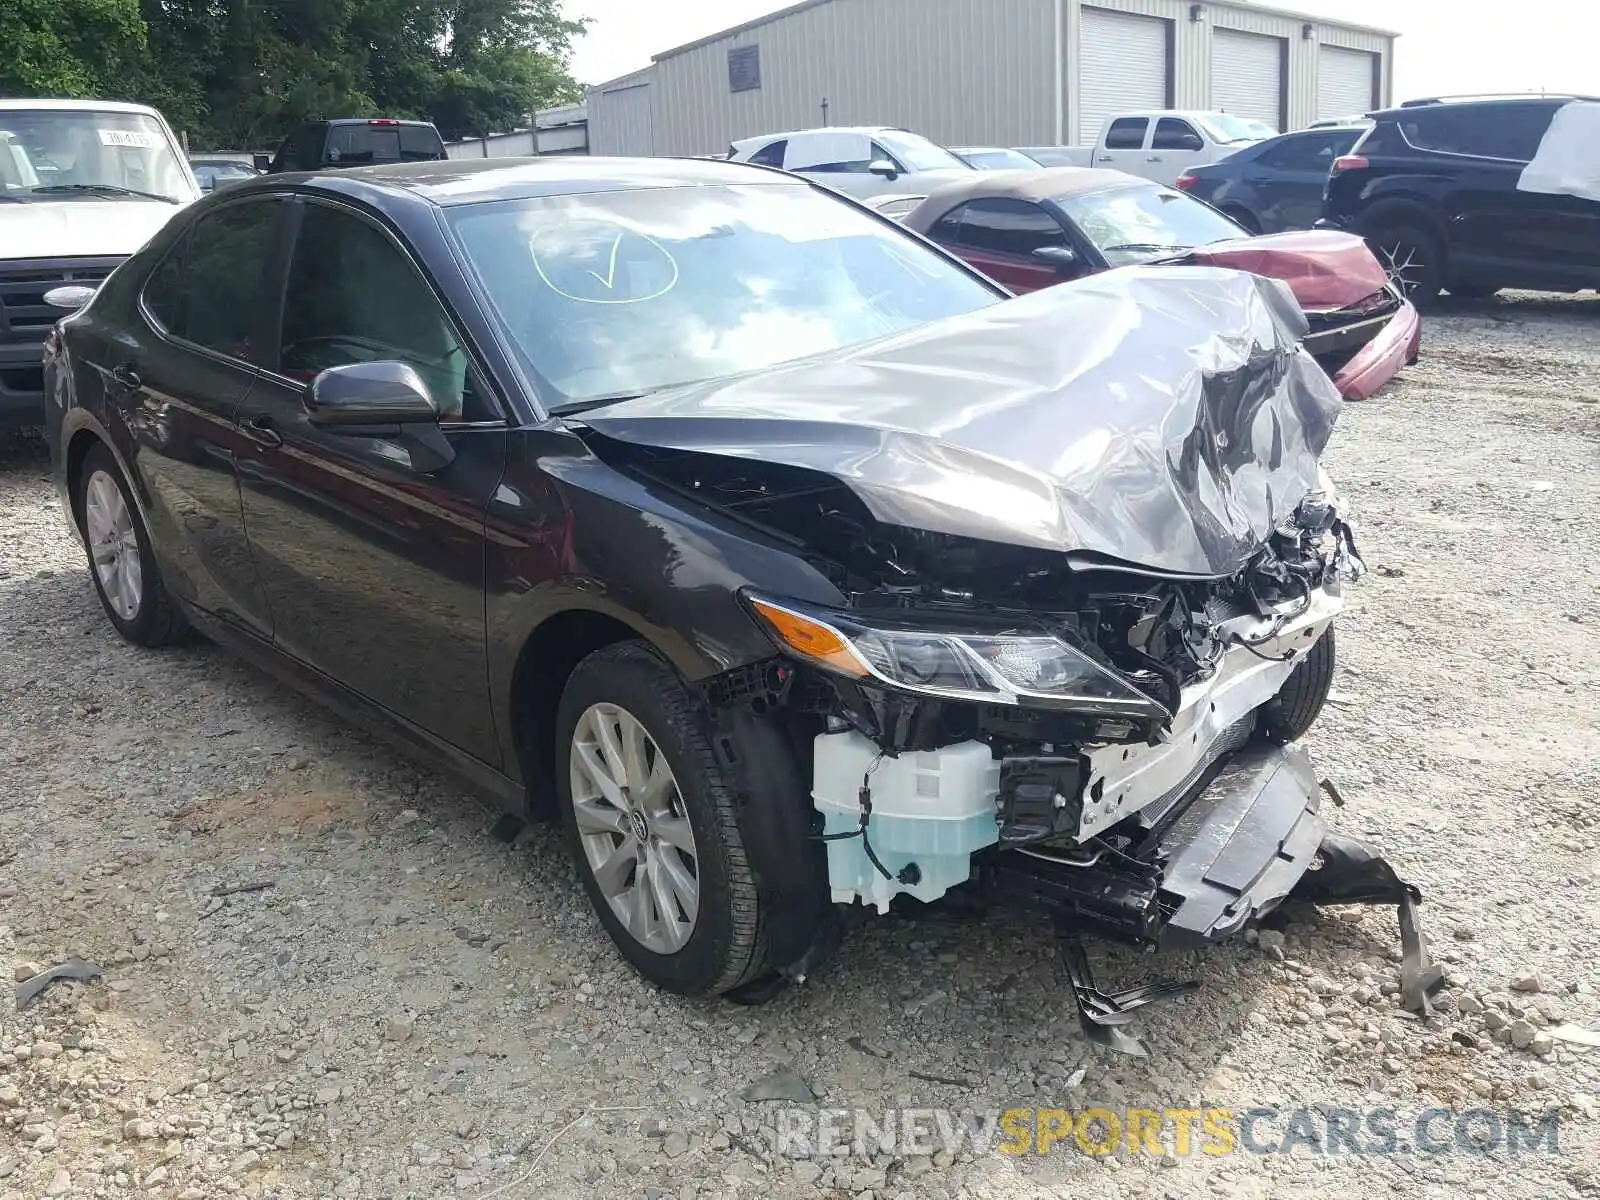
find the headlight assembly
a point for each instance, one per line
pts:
(1026, 668)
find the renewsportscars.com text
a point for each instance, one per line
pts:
(1181, 1132)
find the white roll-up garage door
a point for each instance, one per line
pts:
(1247, 75)
(1122, 67)
(1344, 82)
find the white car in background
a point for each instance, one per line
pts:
(83, 184)
(862, 161)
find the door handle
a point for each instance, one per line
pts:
(1105, 158)
(126, 378)
(260, 431)
(1154, 158)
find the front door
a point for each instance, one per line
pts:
(1289, 177)
(1175, 146)
(180, 376)
(369, 545)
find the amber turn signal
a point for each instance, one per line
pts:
(810, 639)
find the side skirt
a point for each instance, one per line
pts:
(430, 751)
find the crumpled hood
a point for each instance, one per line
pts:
(1163, 416)
(1323, 268)
(79, 228)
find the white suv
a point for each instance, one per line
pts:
(83, 184)
(863, 161)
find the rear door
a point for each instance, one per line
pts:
(1123, 147)
(371, 554)
(180, 378)
(1288, 177)
(999, 236)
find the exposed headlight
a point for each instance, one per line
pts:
(987, 668)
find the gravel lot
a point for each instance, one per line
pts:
(414, 1009)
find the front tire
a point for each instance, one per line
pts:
(121, 562)
(1296, 707)
(651, 823)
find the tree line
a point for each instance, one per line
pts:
(238, 74)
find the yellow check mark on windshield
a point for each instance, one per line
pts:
(606, 280)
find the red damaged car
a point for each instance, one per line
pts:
(1031, 229)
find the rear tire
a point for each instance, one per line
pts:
(1293, 710)
(1244, 217)
(1412, 253)
(121, 562)
(722, 943)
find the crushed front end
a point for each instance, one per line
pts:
(1085, 569)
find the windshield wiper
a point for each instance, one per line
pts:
(1152, 247)
(577, 406)
(102, 189)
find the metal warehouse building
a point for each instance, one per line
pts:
(991, 72)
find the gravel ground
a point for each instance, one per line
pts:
(406, 1007)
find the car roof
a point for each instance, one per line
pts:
(118, 106)
(761, 138)
(1416, 106)
(369, 121)
(1044, 184)
(452, 182)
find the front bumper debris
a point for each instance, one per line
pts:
(1247, 839)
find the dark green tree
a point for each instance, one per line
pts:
(241, 73)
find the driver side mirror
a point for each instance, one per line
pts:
(1063, 258)
(261, 162)
(369, 393)
(884, 169)
(1191, 141)
(71, 296)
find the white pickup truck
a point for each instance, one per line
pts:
(83, 184)
(1160, 144)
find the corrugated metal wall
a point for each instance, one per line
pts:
(1192, 42)
(959, 71)
(622, 114)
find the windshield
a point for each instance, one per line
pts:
(1227, 128)
(1136, 224)
(617, 293)
(1000, 160)
(917, 153)
(55, 154)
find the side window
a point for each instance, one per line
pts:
(1126, 133)
(881, 154)
(771, 155)
(1514, 130)
(1309, 152)
(857, 166)
(1015, 227)
(947, 229)
(1511, 131)
(353, 296)
(163, 289)
(212, 291)
(1175, 134)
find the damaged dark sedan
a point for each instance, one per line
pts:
(787, 560)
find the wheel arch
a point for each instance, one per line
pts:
(549, 654)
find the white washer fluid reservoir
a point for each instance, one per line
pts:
(931, 811)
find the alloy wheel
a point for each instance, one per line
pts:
(634, 828)
(113, 545)
(1406, 266)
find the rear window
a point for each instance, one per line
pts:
(353, 145)
(1509, 131)
(1126, 133)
